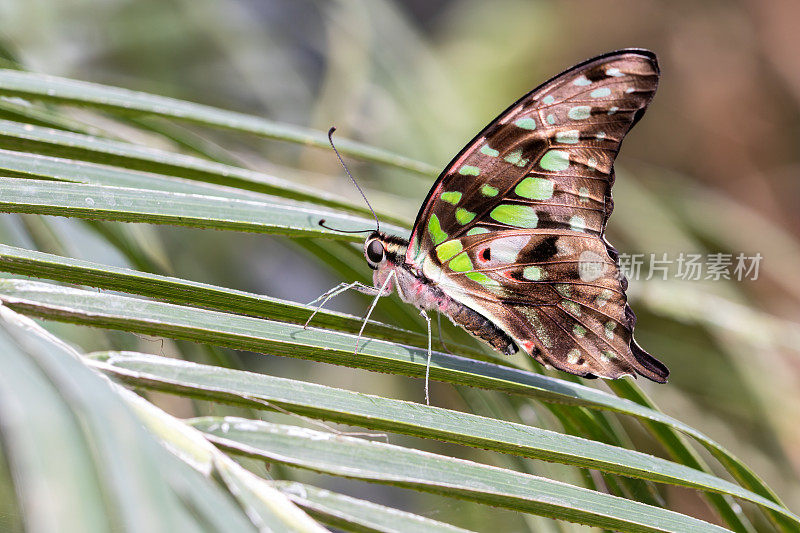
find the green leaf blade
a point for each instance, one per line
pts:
(405, 467)
(162, 207)
(155, 318)
(384, 414)
(353, 514)
(62, 90)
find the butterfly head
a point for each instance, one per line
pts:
(381, 249)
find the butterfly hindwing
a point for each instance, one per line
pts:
(516, 219)
(556, 293)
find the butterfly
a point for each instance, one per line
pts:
(509, 243)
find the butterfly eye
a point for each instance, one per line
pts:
(374, 253)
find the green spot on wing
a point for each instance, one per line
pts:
(463, 216)
(526, 123)
(600, 93)
(477, 231)
(435, 229)
(488, 190)
(469, 170)
(532, 273)
(515, 158)
(452, 197)
(573, 356)
(577, 223)
(448, 249)
(609, 327)
(573, 308)
(603, 298)
(568, 137)
(579, 330)
(483, 279)
(541, 331)
(547, 100)
(521, 216)
(555, 160)
(535, 188)
(460, 263)
(551, 119)
(580, 112)
(562, 289)
(487, 150)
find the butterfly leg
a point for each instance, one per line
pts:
(372, 306)
(337, 290)
(428, 364)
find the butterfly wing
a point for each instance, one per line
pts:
(513, 227)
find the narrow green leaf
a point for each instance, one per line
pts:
(258, 335)
(31, 409)
(395, 465)
(266, 507)
(101, 475)
(27, 113)
(185, 138)
(352, 514)
(181, 291)
(384, 414)
(58, 143)
(679, 449)
(25, 165)
(161, 207)
(61, 90)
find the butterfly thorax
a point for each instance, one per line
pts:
(415, 288)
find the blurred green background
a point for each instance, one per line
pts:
(713, 167)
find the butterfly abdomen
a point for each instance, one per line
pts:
(479, 326)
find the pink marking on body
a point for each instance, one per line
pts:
(419, 287)
(527, 346)
(411, 244)
(379, 277)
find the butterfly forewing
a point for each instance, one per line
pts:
(513, 227)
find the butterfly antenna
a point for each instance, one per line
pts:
(322, 223)
(364, 196)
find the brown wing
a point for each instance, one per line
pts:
(557, 293)
(543, 171)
